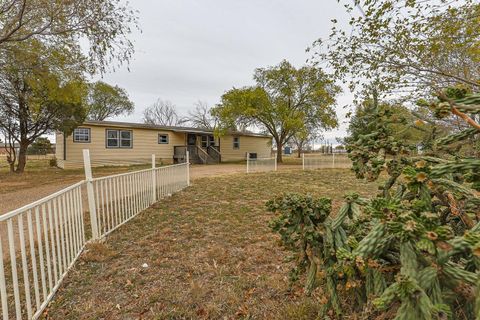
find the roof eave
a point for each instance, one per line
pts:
(165, 128)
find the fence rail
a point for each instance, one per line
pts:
(40, 242)
(43, 250)
(119, 198)
(324, 161)
(261, 164)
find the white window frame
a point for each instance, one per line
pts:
(160, 135)
(87, 133)
(130, 139)
(236, 143)
(119, 139)
(107, 138)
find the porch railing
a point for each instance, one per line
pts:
(180, 152)
(214, 153)
(197, 154)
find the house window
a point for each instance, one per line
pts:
(211, 141)
(126, 139)
(112, 139)
(119, 139)
(236, 143)
(163, 138)
(204, 142)
(81, 135)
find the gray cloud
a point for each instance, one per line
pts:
(195, 50)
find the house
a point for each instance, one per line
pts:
(117, 143)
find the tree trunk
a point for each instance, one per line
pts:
(11, 158)
(22, 157)
(12, 166)
(279, 152)
(299, 152)
(23, 131)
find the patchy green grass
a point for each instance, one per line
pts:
(205, 253)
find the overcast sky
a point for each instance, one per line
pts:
(196, 50)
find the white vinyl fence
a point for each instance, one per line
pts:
(43, 239)
(119, 198)
(261, 164)
(40, 242)
(325, 160)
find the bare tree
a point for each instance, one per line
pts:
(201, 117)
(162, 113)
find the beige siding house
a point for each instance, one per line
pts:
(117, 143)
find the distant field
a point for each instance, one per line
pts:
(39, 173)
(206, 252)
(40, 180)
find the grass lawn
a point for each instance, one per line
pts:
(205, 253)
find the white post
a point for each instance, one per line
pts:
(154, 180)
(248, 158)
(333, 159)
(90, 193)
(303, 161)
(275, 163)
(188, 167)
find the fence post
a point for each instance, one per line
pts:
(188, 167)
(248, 158)
(154, 180)
(333, 159)
(275, 163)
(90, 194)
(303, 161)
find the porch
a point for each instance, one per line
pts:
(202, 148)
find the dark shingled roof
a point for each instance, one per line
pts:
(167, 128)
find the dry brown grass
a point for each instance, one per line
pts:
(38, 173)
(205, 253)
(40, 180)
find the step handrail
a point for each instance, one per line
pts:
(204, 159)
(218, 155)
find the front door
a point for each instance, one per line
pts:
(191, 139)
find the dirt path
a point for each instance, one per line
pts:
(16, 199)
(24, 195)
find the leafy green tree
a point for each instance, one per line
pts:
(282, 103)
(42, 90)
(41, 146)
(361, 121)
(102, 25)
(408, 47)
(303, 137)
(105, 101)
